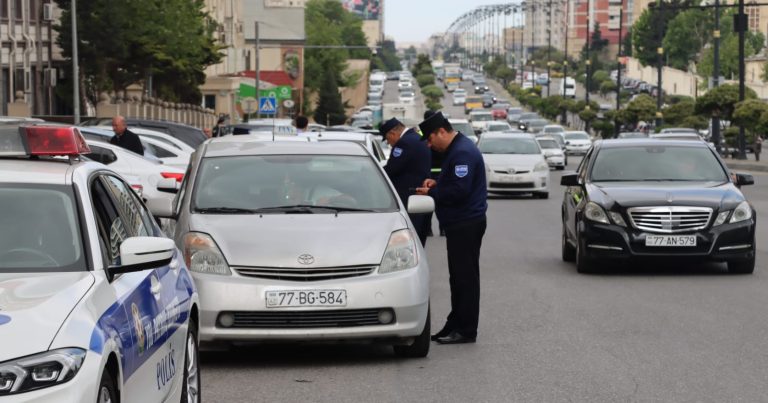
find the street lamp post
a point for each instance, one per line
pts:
(588, 64)
(616, 128)
(75, 66)
(659, 62)
(716, 74)
(564, 117)
(742, 28)
(549, 47)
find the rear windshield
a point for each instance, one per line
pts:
(549, 144)
(516, 145)
(481, 117)
(576, 136)
(657, 163)
(40, 229)
(274, 181)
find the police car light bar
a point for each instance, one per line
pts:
(55, 140)
(42, 140)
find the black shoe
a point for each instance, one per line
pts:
(455, 338)
(442, 333)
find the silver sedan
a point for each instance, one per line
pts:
(301, 242)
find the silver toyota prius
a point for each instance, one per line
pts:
(292, 241)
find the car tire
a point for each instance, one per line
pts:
(584, 265)
(542, 195)
(568, 251)
(742, 266)
(107, 389)
(420, 346)
(190, 389)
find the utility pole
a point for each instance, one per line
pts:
(564, 118)
(533, 44)
(616, 128)
(75, 65)
(549, 47)
(741, 25)
(659, 62)
(588, 62)
(258, 71)
(716, 74)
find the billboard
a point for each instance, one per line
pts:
(365, 9)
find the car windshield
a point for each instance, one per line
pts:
(576, 136)
(657, 163)
(632, 135)
(499, 127)
(481, 117)
(528, 116)
(471, 100)
(500, 107)
(281, 184)
(508, 146)
(41, 231)
(549, 144)
(553, 129)
(463, 128)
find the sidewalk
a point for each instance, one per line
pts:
(748, 165)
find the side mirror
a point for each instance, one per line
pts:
(168, 185)
(161, 207)
(744, 179)
(418, 204)
(143, 253)
(567, 143)
(569, 179)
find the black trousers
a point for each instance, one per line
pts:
(463, 242)
(421, 223)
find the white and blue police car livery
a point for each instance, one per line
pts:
(96, 304)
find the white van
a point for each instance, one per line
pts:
(570, 87)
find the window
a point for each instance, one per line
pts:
(4, 9)
(657, 163)
(138, 221)
(18, 9)
(41, 230)
(159, 152)
(112, 231)
(101, 154)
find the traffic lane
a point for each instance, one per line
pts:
(546, 332)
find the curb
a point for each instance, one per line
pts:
(746, 165)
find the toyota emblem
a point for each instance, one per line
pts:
(511, 171)
(306, 259)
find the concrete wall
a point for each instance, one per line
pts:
(674, 82)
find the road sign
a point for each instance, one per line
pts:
(279, 92)
(267, 106)
(249, 104)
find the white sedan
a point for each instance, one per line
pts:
(577, 142)
(157, 180)
(407, 97)
(405, 85)
(514, 164)
(553, 152)
(154, 148)
(96, 305)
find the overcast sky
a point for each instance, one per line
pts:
(416, 20)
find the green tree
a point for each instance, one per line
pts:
(425, 79)
(642, 108)
(729, 52)
(432, 93)
(686, 35)
(607, 87)
(171, 41)
(329, 23)
(330, 109)
(721, 101)
(386, 58)
(748, 114)
(675, 114)
(645, 31)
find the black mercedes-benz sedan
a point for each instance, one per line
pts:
(663, 199)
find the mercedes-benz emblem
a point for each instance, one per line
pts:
(306, 259)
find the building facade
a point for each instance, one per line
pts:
(31, 62)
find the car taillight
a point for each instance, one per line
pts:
(138, 189)
(173, 175)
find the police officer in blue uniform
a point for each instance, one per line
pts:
(407, 167)
(437, 162)
(460, 194)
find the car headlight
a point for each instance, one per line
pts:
(742, 213)
(541, 166)
(40, 370)
(594, 212)
(401, 252)
(202, 255)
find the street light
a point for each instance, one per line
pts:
(75, 65)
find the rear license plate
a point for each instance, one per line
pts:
(306, 298)
(670, 240)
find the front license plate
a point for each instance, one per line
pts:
(304, 298)
(670, 240)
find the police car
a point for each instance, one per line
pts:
(96, 305)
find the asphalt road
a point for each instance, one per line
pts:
(661, 333)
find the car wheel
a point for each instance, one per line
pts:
(420, 346)
(542, 195)
(190, 390)
(107, 389)
(584, 265)
(568, 251)
(742, 266)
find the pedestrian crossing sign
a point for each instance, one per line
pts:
(268, 106)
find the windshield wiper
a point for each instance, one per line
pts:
(225, 210)
(305, 209)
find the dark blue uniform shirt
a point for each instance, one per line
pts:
(409, 163)
(461, 193)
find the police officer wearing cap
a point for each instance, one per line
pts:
(407, 167)
(460, 194)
